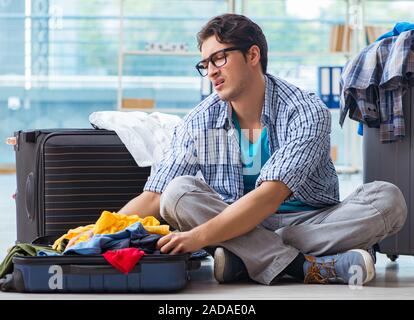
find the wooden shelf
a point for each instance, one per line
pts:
(7, 169)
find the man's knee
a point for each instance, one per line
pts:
(174, 191)
(391, 202)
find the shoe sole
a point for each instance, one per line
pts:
(219, 263)
(369, 265)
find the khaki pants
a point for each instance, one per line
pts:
(370, 214)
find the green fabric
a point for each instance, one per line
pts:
(21, 249)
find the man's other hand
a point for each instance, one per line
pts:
(72, 241)
(179, 242)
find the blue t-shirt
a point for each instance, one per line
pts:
(254, 156)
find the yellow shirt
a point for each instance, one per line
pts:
(111, 222)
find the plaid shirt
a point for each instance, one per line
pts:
(374, 82)
(298, 127)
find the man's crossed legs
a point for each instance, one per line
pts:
(325, 242)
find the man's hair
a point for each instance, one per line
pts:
(237, 30)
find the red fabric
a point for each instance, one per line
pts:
(124, 259)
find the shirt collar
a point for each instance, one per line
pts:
(224, 115)
(270, 101)
(268, 112)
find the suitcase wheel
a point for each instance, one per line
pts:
(392, 257)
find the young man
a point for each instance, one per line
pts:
(268, 201)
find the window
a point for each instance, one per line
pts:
(62, 57)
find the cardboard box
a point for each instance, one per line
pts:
(340, 38)
(131, 103)
(374, 32)
(334, 153)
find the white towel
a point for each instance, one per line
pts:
(146, 136)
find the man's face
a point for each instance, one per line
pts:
(231, 79)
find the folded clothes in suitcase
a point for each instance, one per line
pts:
(92, 273)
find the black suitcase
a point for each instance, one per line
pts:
(67, 177)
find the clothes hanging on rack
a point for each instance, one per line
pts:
(373, 83)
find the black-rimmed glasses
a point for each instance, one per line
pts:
(218, 59)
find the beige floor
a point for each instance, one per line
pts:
(394, 280)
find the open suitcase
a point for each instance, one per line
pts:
(89, 274)
(392, 162)
(65, 179)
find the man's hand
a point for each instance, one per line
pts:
(179, 242)
(88, 234)
(245, 214)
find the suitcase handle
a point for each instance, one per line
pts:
(95, 269)
(29, 196)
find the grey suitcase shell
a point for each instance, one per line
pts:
(67, 177)
(92, 273)
(392, 162)
(153, 273)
